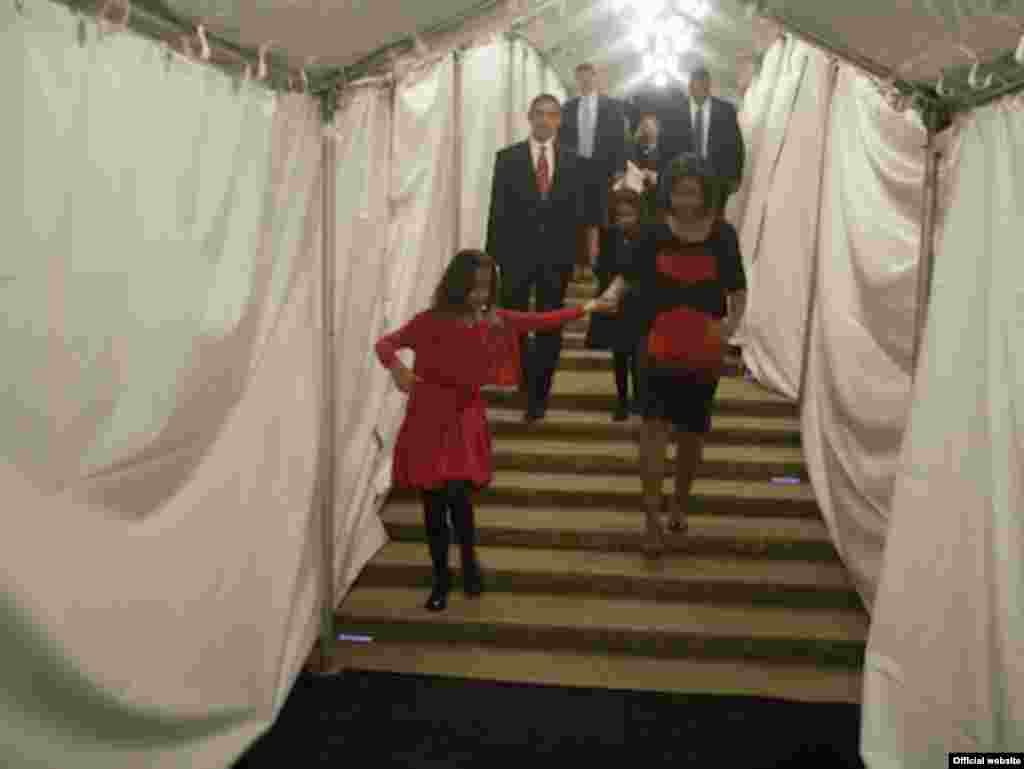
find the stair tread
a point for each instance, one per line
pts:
(774, 424)
(600, 383)
(628, 484)
(795, 682)
(401, 604)
(543, 447)
(596, 520)
(681, 568)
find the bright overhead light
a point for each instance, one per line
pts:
(661, 80)
(640, 39)
(698, 9)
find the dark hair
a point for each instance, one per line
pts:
(586, 66)
(544, 97)
(452, 293)
(691, 166)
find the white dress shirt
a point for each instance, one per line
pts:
(586, 143)
(549, 152)
(706, 122)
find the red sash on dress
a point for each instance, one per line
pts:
(685, 338)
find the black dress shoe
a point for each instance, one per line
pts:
(534, 414)
(473, 581)
(438, 600)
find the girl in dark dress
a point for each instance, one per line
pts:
(687, 296)
(611, 332)
(443, 447)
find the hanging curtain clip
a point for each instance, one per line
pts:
(108, 25)
(204, 44)
(973, 78)
(1018, 55)
(261, 72)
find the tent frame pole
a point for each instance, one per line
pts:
(926, 258)
(328, 408)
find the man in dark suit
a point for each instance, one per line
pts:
(711, 130)
(595, 126)
(538, 204)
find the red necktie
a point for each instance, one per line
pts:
(543, 173)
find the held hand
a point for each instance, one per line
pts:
(404, 378)
(600, 306)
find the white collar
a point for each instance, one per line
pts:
(536, 145)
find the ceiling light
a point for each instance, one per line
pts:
(698, 9)
(640, 39)
(661, 80)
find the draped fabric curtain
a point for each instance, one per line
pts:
(781, 267)
(484, 132)
(943, 670)
(753, 114)
(159, 401)
(421, 236)
(860, 364)
(362, 167)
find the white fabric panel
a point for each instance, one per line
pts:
(768, 147)
(553, 84)
(752, 117)
(362, 136)
(484, 132)
(519, 98)
(779, 277)
(533, 75)
(159, 428)
(943, 670)
(859, 370)
(423, 200)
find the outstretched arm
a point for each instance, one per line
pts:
(524, 322)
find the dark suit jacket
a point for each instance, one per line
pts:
(610, 151)
(725, 142)
(523, 229)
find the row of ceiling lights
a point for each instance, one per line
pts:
(663, 30)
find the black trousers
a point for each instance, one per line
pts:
(539, 361)
(453, 498)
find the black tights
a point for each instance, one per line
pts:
(453, 497)
(626, 365)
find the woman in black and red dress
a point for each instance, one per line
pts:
(444, 444)
(687, 296)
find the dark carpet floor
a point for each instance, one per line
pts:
(390, 720)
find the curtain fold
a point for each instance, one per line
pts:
(780, 272)
(860, 368)
(943, 670)
(159, 411)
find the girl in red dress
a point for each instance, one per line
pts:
(444, 445)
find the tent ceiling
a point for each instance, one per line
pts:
(916, 39)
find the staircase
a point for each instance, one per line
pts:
(753, 600)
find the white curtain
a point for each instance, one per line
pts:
(518, 89)
(780, 272)
(752, 116)
(362, 144)
(159, 402)
(484, 131)
(859, 368)
(421, 239)
(943, 670)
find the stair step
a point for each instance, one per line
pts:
(623, 492)
(722, 580)
(568, 424)
(793, 682)
(581, 359)
(577, 528)
(595, 390)
(623, 458)
(648, 628)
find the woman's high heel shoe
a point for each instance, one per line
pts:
(438, 600)
(654, 543)
(677, 522)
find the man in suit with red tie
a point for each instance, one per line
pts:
(538, 204)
